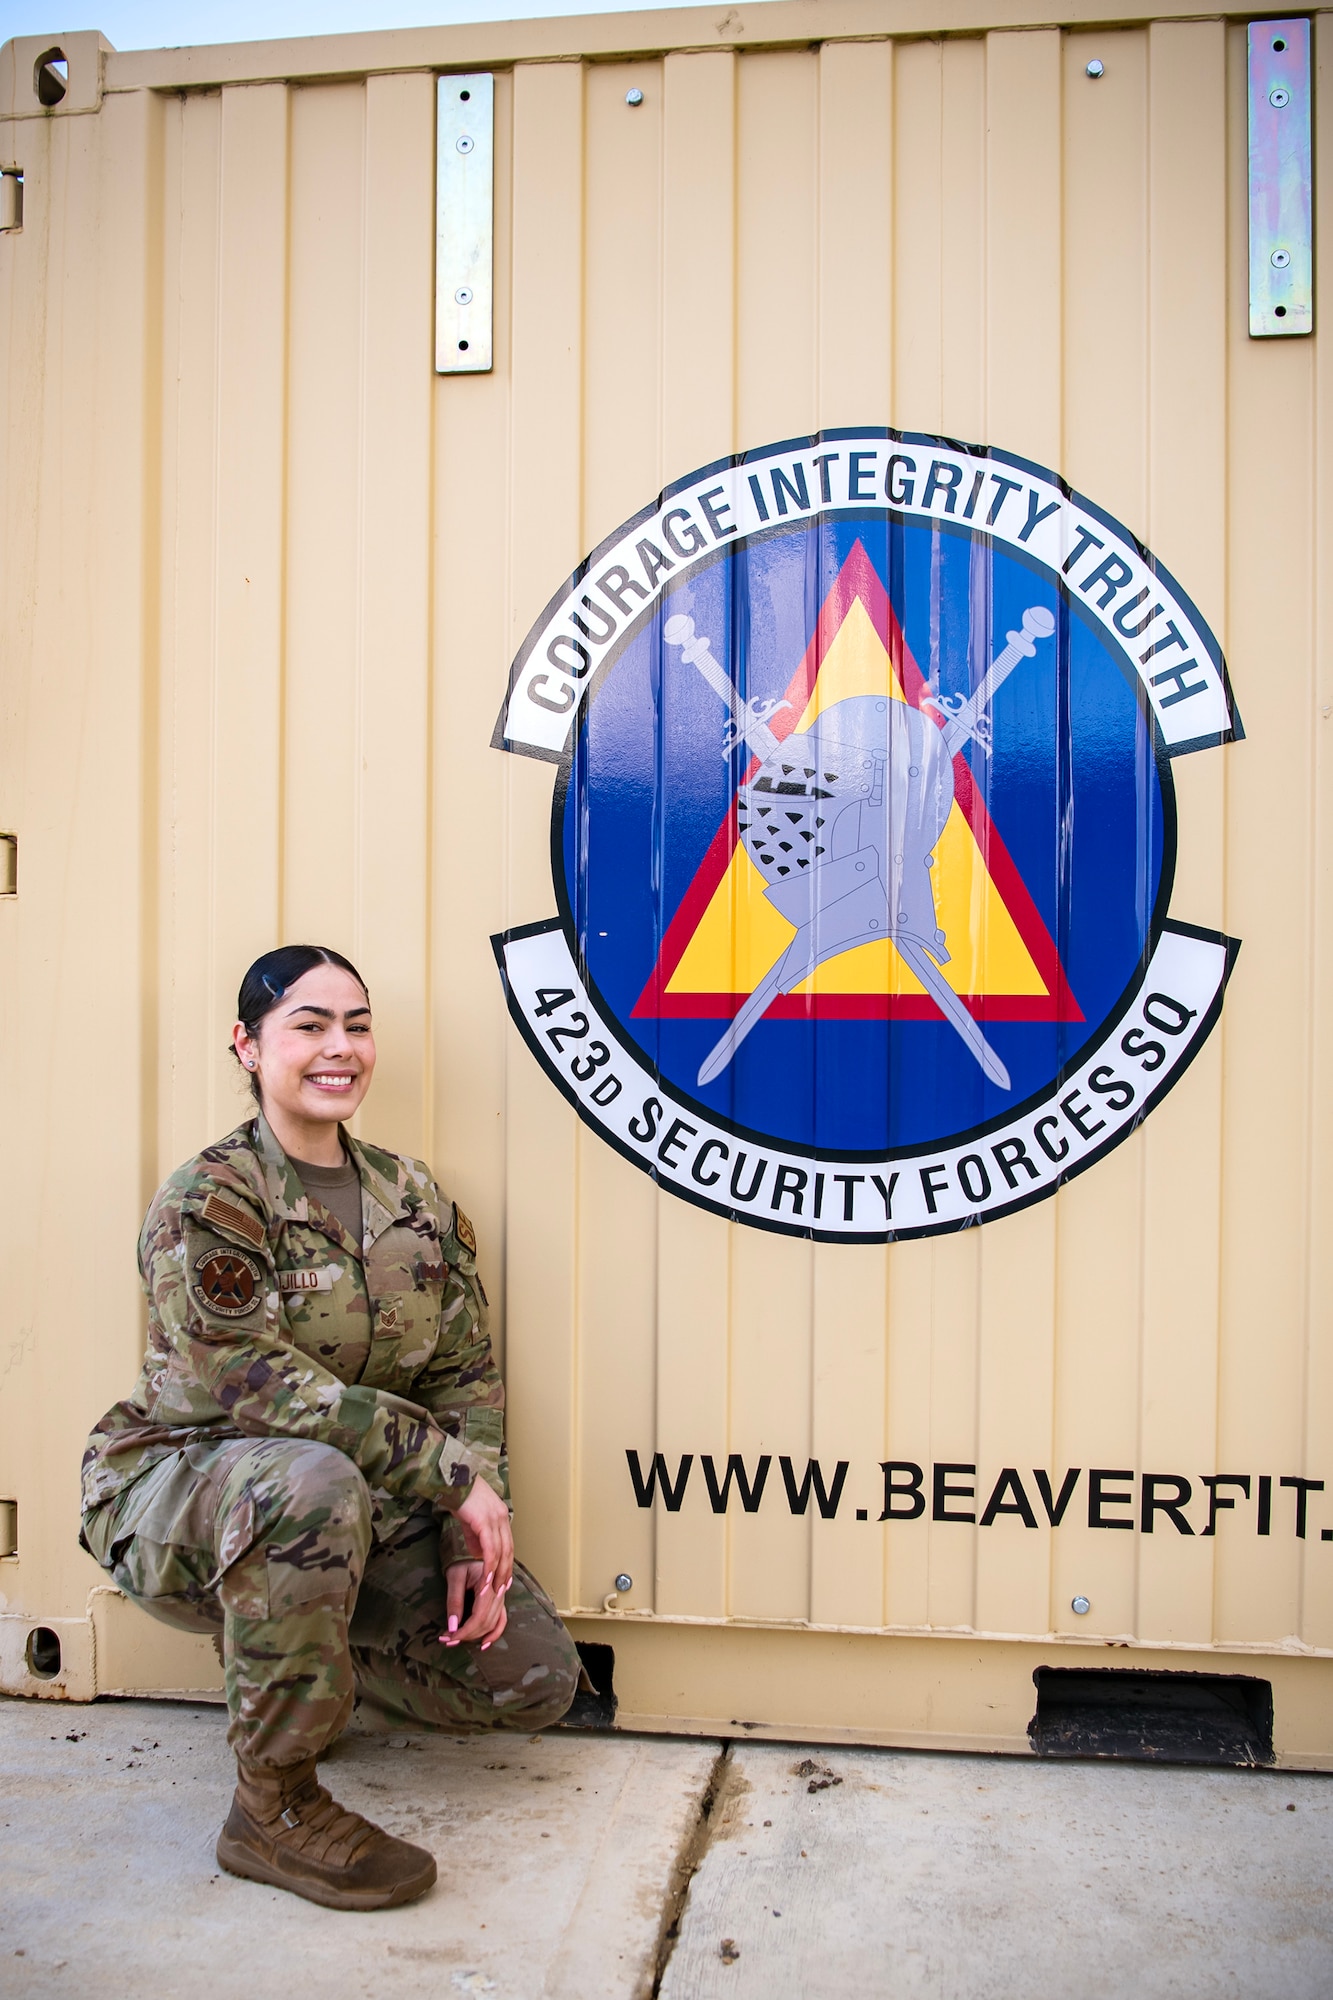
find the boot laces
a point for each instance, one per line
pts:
(325, 1830)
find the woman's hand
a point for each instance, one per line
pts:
(488, 1618)
(484, 1519)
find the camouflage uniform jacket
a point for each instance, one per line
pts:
(237, 1262)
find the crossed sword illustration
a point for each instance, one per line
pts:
(960, 721)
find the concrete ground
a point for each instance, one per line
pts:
(605, 1867)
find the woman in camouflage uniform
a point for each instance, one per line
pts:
(311, 1466)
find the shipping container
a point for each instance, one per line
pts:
(469, 495)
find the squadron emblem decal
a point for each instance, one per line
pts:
(227, 1282)
(863, 836)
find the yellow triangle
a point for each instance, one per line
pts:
(740, 935)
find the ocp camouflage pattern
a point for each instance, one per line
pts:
(412, 1395)
(309, 1412)
(318, 1591)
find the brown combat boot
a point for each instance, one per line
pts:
(284, 1829)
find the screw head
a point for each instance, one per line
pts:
(463, 296)
(465, 142)
(1280, 259)
(624, 1583)
(1279, 96)
(1096, 68)
(1080, 1606)
(634, 98)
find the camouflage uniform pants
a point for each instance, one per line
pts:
(318, 1590)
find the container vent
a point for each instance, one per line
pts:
(595, 1708)
(1161, 1718)
(43, 1653)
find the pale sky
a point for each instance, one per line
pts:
(158, 24)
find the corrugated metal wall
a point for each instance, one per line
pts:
(263, 574)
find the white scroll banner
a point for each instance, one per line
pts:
(1012, 1162)
(1101, 568)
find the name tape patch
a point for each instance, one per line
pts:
(308, 1280)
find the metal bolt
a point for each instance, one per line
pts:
(1280, 259)
(465, 143)
(634, 98)
(1080, 1605)
(624, 1583)
(1096, 68)
(1278, 96)
(463, 296)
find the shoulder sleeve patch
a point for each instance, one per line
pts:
(227, 1283)
(236, 1221)
(464, 1231)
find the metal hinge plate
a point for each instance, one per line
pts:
(1281, 243)
(464, 224)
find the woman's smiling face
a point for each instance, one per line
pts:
(314, 1053)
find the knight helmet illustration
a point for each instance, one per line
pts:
(842, 821)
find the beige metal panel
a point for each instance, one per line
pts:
(545, 1147)
(325, 436)
(1019, 1356)
(393, 791)
(1268, 1027)
(910, 1304)
(622, 278)
(246, 725)
(471, 624)
(693, 1255)
(1026, 203)
(849, 1292)
(190, 987)
(75, 494)
(965, 118)
(358, 529)
(280, 612)
(1101, 1361)
(946, 1429)
(918, 245)
(855, 237)
(1317, 1601)
(770, 1345)
(614, 1225)
(1185, 424)
(924, 1692)
(765, 24)
(223, 312)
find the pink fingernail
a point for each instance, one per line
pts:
(489, 1580)
(485, 1645)
(453, 1624)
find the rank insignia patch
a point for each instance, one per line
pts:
(227, 1282)
(863, 836)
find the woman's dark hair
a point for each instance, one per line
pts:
(273, 975)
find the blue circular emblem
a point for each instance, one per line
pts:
(863, 835)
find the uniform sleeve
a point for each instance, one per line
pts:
(460, 1385)
(215, 1313)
